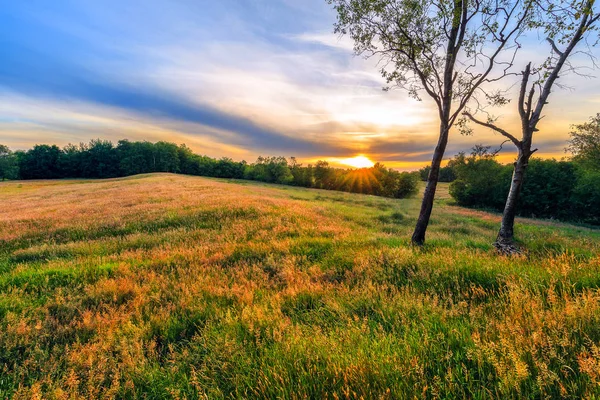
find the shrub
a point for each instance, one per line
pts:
(551, 189)
(586, 196)
(481, 182)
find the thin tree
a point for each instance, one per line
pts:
(566, 25)
(447, 49)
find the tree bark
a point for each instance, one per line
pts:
(505, 239)
(418, 237)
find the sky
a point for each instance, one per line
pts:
(234, 78)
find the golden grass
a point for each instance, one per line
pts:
(165, 286)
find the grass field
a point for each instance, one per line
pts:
(165, 286)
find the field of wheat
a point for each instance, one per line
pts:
(165, 286)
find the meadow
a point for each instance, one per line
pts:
(168, 286)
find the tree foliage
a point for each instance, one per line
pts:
(8, 163)
(270, 169)
(41, 162)
(447, 173)
(585, 142)
(552, 189)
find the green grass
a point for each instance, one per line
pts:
(164, 286)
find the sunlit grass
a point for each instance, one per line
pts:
(164, 286)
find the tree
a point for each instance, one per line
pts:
(302, 176)
(585, 142)
(324, 175)
(135, 157)
(271, 170)
(166, 157)
(446, 49)
(100, 160)
(41, 162)
(186, 159)
(8, 163)
(447, 173)
(564, 25)
(227, 168)
(71, 160)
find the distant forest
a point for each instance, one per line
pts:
(565, 190)
(102, 159)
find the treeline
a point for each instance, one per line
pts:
(565, 190)
(447, 173)
(103, 159)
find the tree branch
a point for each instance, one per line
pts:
(522, 111)
(495, 128)
(556, 50)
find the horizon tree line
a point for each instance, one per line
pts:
(102, 159)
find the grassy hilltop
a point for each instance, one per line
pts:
(166, 286)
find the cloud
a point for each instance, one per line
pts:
(59, 81)
(327, 39)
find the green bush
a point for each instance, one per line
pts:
(408, 185)
(551, 189)
(586, 196)
(481, 182)
(547, 190)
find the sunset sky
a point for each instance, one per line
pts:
(236, 78)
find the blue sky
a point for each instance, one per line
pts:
(235, 78)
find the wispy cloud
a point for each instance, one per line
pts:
(326, 39)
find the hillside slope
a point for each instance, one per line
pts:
(166, 286)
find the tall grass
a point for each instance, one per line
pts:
(165, 286)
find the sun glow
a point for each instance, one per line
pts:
(359, 161)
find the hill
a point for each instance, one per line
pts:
(169, 286)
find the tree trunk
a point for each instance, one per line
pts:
(505, 239)
(418, 237)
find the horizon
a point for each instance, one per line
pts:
(360, 161)
(233, 79)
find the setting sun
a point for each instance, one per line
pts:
(359, 161)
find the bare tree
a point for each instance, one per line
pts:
(566, 25)
(447, 49)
